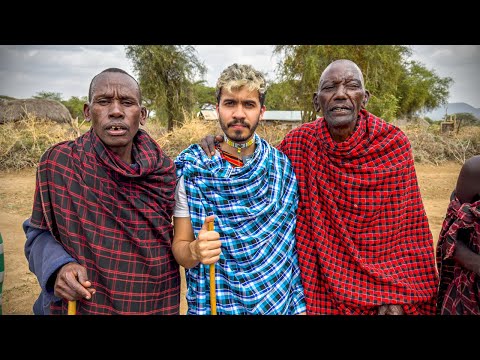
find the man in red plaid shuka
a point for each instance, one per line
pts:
(364, 244)
(100, 231)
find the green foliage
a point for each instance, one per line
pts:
(75, 106)
(463, 119)
(421, 89)
(467, 119)
(166, 75)
(385, 107)
(203, 95)
(48, 95)
(282, 96)
(394, 83)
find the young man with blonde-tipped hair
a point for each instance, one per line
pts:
(249, 190)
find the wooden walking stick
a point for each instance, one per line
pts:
(213, 300)
(72, 307)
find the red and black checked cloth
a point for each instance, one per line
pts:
(115, 220)
(362, 232)
(459, 289)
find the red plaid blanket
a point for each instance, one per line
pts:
(362, 232)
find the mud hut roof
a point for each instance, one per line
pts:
(15, 110)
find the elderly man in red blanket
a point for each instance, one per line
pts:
(100, 231)
(363, 240)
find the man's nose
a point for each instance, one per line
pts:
(239, 112)
(116, 108)
(341, 91)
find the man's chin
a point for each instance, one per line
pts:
(340, 120)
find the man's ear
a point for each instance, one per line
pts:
(365, 99)
(316, 102)
(86, 112)
(143, 115)
(262, 111)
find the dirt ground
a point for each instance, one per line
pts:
(20, 287)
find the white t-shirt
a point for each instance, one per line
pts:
(181, 204)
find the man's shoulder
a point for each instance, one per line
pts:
(303, 130)
(59, 151)
(194, 150)
(387, 127)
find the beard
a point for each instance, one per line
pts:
(238, 136)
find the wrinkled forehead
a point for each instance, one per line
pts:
(110, 83)
(341, 71)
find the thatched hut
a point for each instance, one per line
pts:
(14, 110)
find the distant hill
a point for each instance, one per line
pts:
(452, 108)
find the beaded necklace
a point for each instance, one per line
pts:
(239, 146)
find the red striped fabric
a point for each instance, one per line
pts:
(236, 162)
(114, 220)
(362, 232)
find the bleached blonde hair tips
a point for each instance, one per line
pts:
(238, 76)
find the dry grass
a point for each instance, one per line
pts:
(430, 146)
(23, 142)
(192, 131)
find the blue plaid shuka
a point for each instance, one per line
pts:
(255, 207)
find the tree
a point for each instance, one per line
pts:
(166, 75)
(464, 119)
(203, 94)
(48, 95)
(387, 75)
(421, 89)
(75, 106)
(282, 96)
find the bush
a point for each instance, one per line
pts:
(431, 146)
(22, 143)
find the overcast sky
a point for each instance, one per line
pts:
(26, 70)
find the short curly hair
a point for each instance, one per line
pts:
(237, 76)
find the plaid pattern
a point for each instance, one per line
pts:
(459, 289)
(114, 220)
(363, 238)
(255, 209)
